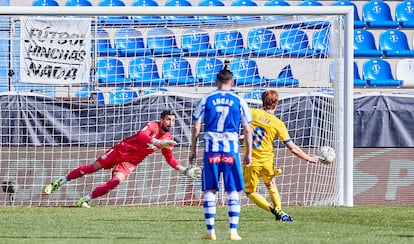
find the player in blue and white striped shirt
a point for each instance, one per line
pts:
(222, 112)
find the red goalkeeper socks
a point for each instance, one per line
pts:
(80, 171)
(106, 187)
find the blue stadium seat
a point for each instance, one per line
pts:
(314, 24)
(103, 46)
(162, 42)
(114, 20)
(394, 43)
(207, 69)
(196, 42)
(177, 71)
(246, 72)
(404, 13)
(278, 19)
(364, 44)
(143, 71)
(262, 42)
(245, 19)
(155, 90)
(230, 42)
(285, 78)
(358, 81)
(121, 95)
(88, 92)
(130, 43)
(377, 14)
(179, 19)
(378, 72)
(255, 93)
(110, 72)
(39, 3)
(72, 3)
(213, 20)
(295, 43)
(150, 20)
(321, 42)
(358, 23)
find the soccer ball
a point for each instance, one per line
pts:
(327, 154)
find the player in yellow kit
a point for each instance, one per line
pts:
(266, 128)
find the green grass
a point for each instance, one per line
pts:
(362, 224)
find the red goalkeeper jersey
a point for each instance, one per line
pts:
(137, 147)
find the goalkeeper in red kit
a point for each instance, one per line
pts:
(125, 156)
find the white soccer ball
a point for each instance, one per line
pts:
(327, 154)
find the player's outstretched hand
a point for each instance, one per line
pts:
(164, 143)
(193, 172)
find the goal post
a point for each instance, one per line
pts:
(56, 116)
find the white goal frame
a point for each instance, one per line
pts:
(344, 87)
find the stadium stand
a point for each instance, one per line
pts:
(44, 3)
(196, 42)
(129, 42)
(143, 71)
(111, 72)
(87, 92)
(104, 47)
(377, 14)
(207, 69)
(147, 20)
(358, 23)
(162, 42)
(230, 42)
(262, 42)
(121, 95)
(180, 20)
(295, 43)
(394, 43)
(78, 3)
(358, 81)
(177, 71)
(405, 72)
(404, 14)
(365, 44)
(378, 73)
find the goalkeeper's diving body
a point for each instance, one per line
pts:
(222, 112)
(266, 128)
(124, 157)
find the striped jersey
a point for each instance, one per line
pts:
(222, 111)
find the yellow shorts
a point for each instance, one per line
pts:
(253, 174)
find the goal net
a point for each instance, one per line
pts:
(76, 80)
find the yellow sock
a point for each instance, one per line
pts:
(275, 198)
(259, 200)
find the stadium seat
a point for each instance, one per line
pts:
(321, 42)
(207, 69)
(162, 42)
(177, 71)
(196, 42)
(93, 96)
(245, 19)
(121, 95)
(110, 72)
(213, 20)
(84, 3)
(358, 81)
(40, 3)
(230, 42)
(378, 72)
(312, 23)
(262, 42)
(113, 20)
(285, 78)
(143, 71)
(364, 44)
(405, 72)
(155, 90)
(358, 23)
(404, 13)
(295, 43)
(130, 43)
(278, 19)
(255, 93)
(103, 46)
(246, 73)
(180, 19)
(394, 43)
(148, 20)
(377, 14)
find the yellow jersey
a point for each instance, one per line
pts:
(266, 127)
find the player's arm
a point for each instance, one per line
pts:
(194, 136)
(248, 139)
(297, 151)
(192, 172)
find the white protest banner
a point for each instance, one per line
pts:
(55, 50)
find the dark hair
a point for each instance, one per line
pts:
(225, 75)
(167, 112)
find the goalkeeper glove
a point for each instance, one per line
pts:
(163, 143)
(192, 172)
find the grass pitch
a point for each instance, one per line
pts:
(100, 224)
